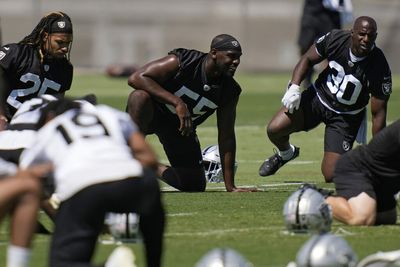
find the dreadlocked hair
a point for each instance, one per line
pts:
(36, 36)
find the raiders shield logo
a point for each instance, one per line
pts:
(387, 88)
(61, 24)
(346, 146)
(235, 43)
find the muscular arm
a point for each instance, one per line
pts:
(150, 77)
(378, 112)
(226, 117)
(306, 62)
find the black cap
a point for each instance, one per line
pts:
(225, 42)
(62, 25)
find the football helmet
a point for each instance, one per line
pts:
(326, 250)
(124, 227)
(212, 164)
(381, 259)
(223, 257)
(306, 211)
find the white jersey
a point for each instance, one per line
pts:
(21, 130)
(7, 168)
(87, 147)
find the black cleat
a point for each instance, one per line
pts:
(325, 192)
(272, 165)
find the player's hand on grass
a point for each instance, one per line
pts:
(236, 189)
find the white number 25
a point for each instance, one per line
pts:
(37, 86)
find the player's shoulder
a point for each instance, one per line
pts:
(186, 52)
(378, 54)
(337, 35)
(187, 56)
(12, 50)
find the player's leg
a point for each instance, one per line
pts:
(355, 200)
(283, 124)
(186, 172)
(140, 195)
(387, 203)
(358, 210)
(22, 195)
(328, 165)
(340, 134)
(141, 109)
(78, 223)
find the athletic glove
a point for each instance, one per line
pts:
(292, 97)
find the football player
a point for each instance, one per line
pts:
(318, 18)
(116, 177)
(366, 180)
(38, 64)
(176, 93)
(357, 71)
(19, 196)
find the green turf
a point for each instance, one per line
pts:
(248, 222)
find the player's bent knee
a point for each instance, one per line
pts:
(137, 99)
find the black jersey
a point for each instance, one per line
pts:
(190, 84)
(345, 86)
(381, 157)
(28, 77)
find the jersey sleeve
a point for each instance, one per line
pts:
(380, 83)
(329, 44)
(188, 59)
(9, 56)
(321, 45)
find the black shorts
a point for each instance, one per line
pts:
(80, 218)
(181, 151)
(350, 182)
(340, 129)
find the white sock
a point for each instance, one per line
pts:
(287, 154)
(18, 256)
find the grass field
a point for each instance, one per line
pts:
(251, 223)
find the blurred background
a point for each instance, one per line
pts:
(136, 31)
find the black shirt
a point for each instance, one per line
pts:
(345, 86)
(190, 84)
(28, 77)
(381, 157)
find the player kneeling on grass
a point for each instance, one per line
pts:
(101, 164)
(366, 180)
(20, 195)
(175, 94)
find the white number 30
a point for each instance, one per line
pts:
(347, 88)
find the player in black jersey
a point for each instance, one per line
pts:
(318, 18)
(366, 180)
(357, 71)
(38, 64)
(178, 92)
